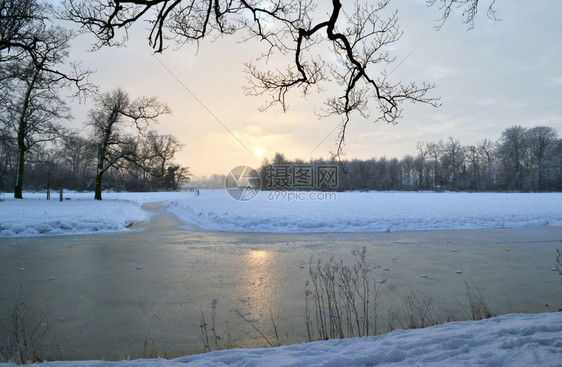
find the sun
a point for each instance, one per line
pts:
(259, 152)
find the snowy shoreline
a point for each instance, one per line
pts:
(303, 213)
(509, 340)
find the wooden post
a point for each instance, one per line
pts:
(49, 181)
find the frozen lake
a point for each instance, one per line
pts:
(108, 294)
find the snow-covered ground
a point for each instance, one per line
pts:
(510, 340)
(282, 212)
(78, 213)
(368, 211)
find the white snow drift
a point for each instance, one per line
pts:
(283, 212)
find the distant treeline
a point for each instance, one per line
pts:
(71, 161)
(521, 160)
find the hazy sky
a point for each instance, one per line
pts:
(497, 75)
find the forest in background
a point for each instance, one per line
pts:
(71, 163)
(522, 159)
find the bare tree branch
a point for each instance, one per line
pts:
(469, 10)
(348, 46)
(25, 34)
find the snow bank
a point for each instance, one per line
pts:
(78, 213)
(508, 340)
(283, 212)
(367, 211)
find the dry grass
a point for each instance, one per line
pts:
(341, 299)
(26, 338)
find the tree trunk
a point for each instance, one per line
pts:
(102, 149)
(99, 177)
(18, 188)
(22, 133)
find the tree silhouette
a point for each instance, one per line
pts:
(112, 121)
(325, 45)
(469, 10)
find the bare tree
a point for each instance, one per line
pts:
(424, 150)
(117, 123)
(540, 139)
(408, 171)
(77, 157)
(18, 22)
(31, 55)
(26, 35)
(487, 150)
(349, 46)
(176, 177)
(512, 151)
(473, 179)
(38, 119)
(452, 160)
(435, 151)
(469, 10)
(33, 107)
(153, 168)
(161, 149)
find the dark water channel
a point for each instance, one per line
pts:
(146, 292)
